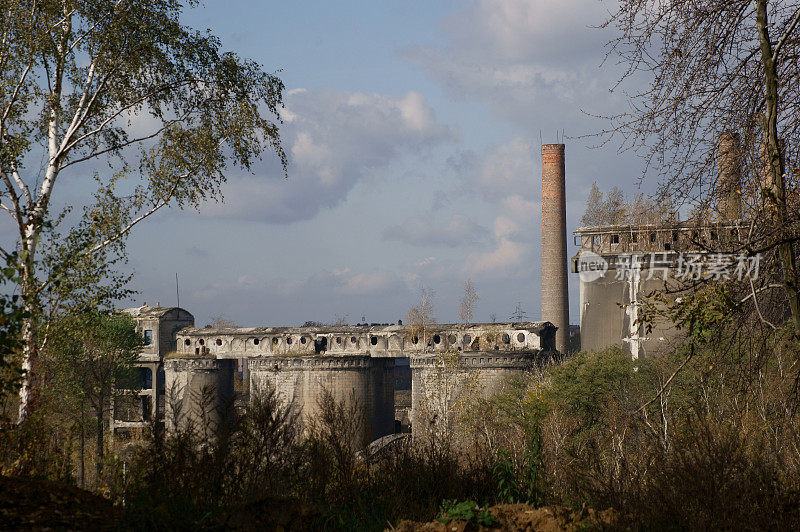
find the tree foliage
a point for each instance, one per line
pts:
(711, 68)
(122, 86)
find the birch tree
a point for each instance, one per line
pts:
(121, 90)
(714, 67)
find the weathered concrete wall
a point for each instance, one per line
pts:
(199, 393)
(300, 381)
(488, 372)
(378, 341)
(609, 308)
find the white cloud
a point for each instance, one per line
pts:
(507, 258)
(426, 231)
(334, 139)
(535, 63)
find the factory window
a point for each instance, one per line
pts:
(615, 239)
(467, 339)
(437, 338)
(506, 338)
(274, 341)
(255, 341)
(202, 342)
(352, 339)
(713, 235)
(289, 340)
(302, 339)
(596, 240)
(187, 342)
(148, 337)
(634, 237)
(145, 378)
(667, 246)
(196, 350)
(520, 337)
(338, 339)
(219, 341)
(374, 340)
(674, 236)
(652, 237)
(415, 339)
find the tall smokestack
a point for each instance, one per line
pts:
(555, 294)
(765, 173)
(729, 180)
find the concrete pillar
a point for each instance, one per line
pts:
(199, 393)
(729, 180)
(300, 379)
(555, 290)
(438, 384)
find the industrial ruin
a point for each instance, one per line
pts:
(616, 264)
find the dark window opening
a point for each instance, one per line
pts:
(320, 345)
(274, 341)
(289, 340)
(219, 341)
(713, 235)
(187, 342)
(352, 339)
(302, 339)
(145, 378)
(338, 339)
(202, 342)
(506, 338)
(196, 350)
(437, 338)
(652, 237)
(674, 236)
(667, 246)
(520, 337)
(467, 339)
(634, 237)
(374, 340)
(615, 239)
(255, 341)
(148, 337)
(415, 339)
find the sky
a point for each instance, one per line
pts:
(413, 130)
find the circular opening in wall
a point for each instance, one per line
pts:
(374, 340)
(451, 338)
(302, 339)
(520, 337)
(338, 339)
(437, 339)
(187, 342)
(255, 341)
(352, 339)
(289, 340)
(415, 339)
(202, 342)
(506, 338)
(467, 338)
(274, 341)
(219, 341)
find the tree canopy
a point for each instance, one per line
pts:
(155, 110)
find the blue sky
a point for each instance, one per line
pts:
(413, 130)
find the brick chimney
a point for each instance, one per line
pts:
(729, 180)
(555, 292)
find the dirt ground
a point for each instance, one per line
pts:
(521, 517)
(43, 505)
